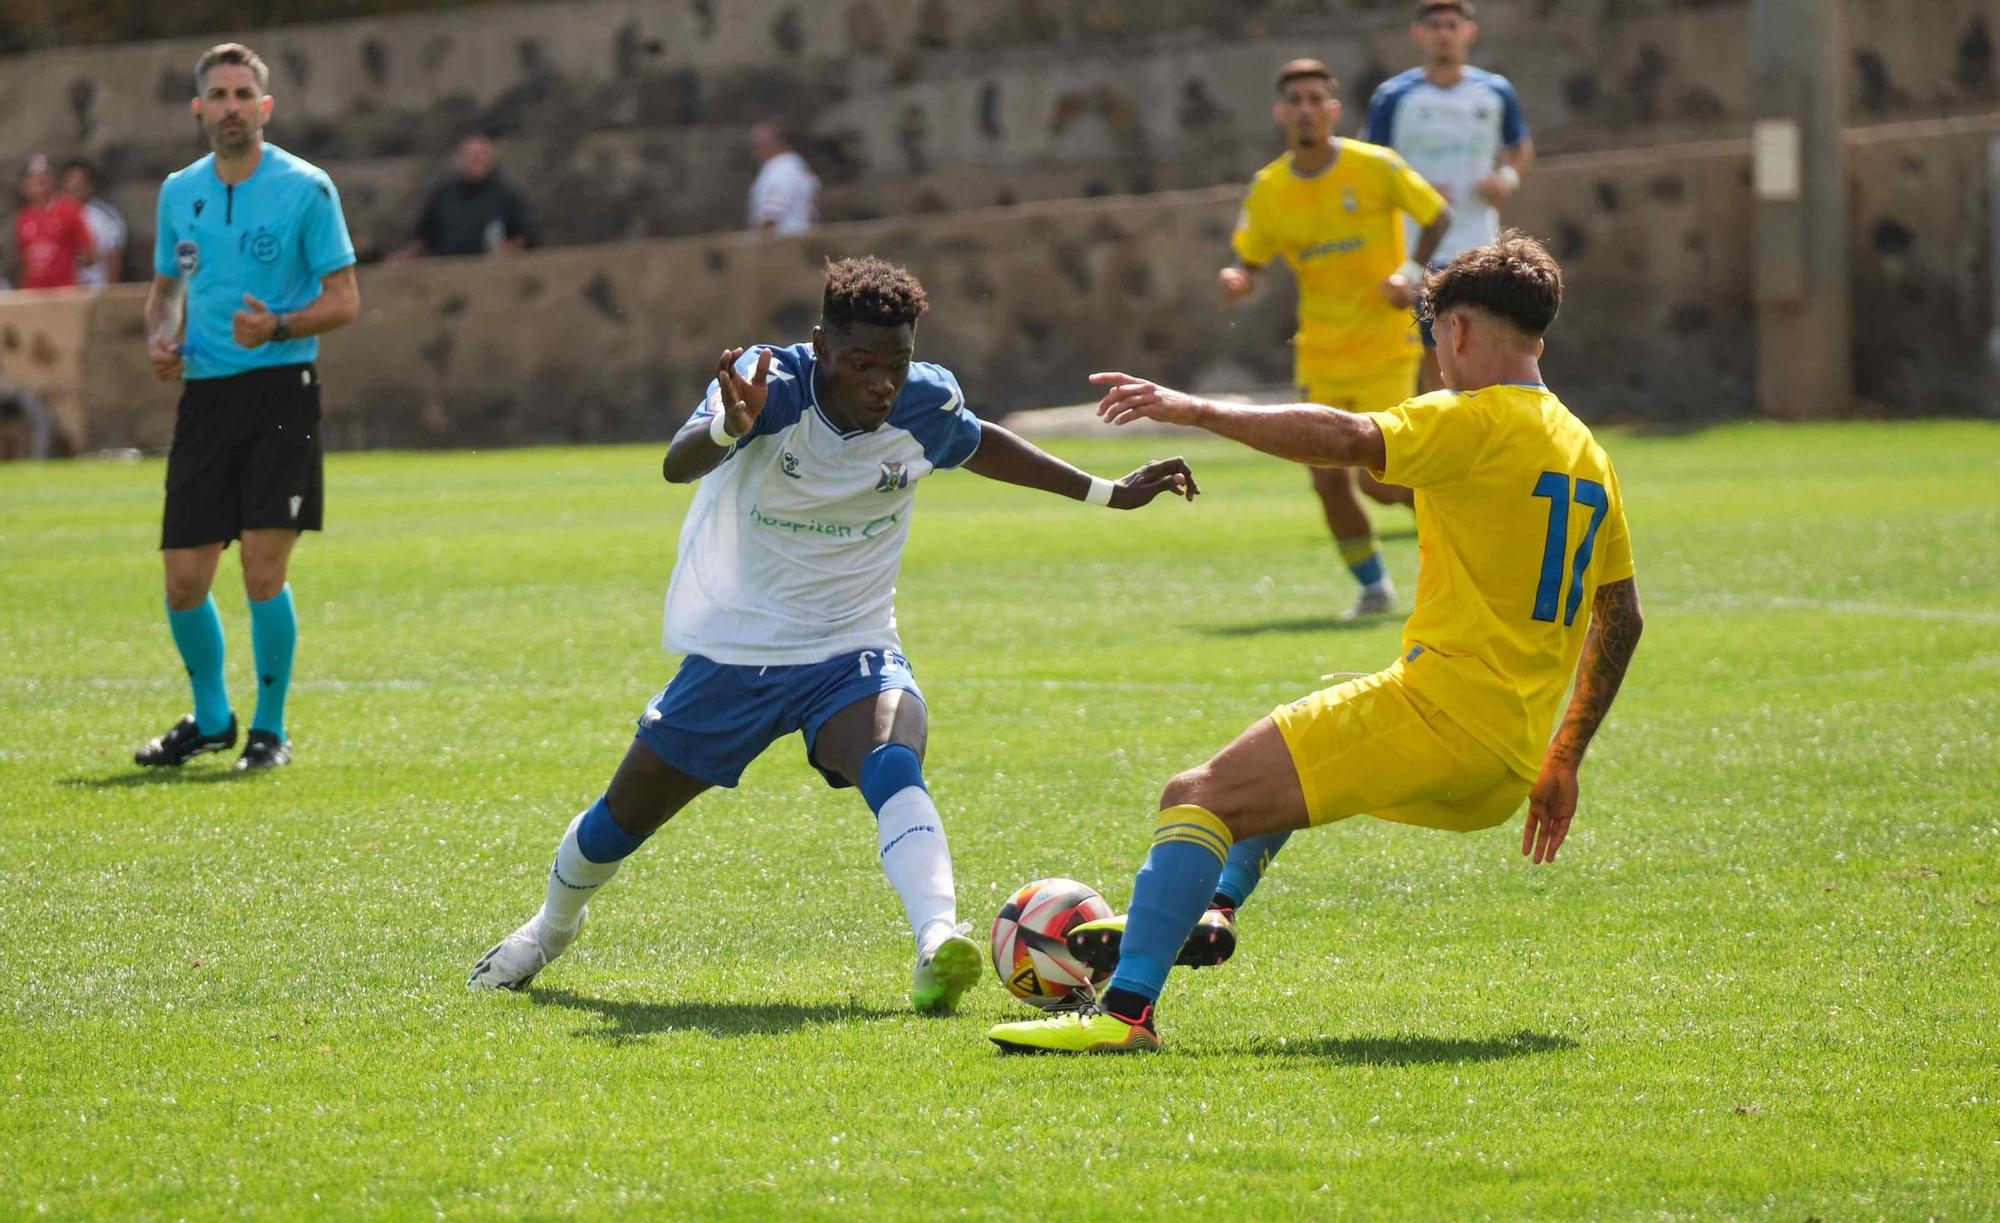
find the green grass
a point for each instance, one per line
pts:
(1761, 981)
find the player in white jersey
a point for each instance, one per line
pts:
(784, 197)
(782, 599)
(1461, 128)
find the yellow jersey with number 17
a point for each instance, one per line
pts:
(1341, 230)
(1519, 521)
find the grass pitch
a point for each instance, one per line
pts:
(1761, 980)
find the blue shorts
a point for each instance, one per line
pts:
(712, 719)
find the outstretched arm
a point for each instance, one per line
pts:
(1006, 457)
(1615, 624)
(1302, 432)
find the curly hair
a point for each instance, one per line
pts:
(1514, 278)
(868, 290)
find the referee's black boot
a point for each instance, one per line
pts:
(264, 750)
(184, 742)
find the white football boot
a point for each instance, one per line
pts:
(516, 959)
(942, 977)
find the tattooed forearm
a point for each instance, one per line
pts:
(1615, 624)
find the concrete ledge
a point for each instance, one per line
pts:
(44, 346)
(616, 342)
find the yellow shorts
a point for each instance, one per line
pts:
(1371, 746)
(1375, 390)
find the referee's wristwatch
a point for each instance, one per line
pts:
(281, 331)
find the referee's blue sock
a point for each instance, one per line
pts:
(198, 636)
(274, 633)
(1248, 860)
(1170, 895)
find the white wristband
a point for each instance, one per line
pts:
(718, 429)
(1510, 176)
(1100, 491)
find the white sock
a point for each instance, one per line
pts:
(1381, 586)
(918, 863)
(573, 880)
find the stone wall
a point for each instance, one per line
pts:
(44, 340)
(1922, 262)
(627, 118)
(613, 343)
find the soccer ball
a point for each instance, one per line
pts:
(1029, 951)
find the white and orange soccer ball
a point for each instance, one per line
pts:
(1029, 948)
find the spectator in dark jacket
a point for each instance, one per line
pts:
(472, 213)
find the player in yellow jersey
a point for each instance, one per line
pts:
(1333, 208)
(1526, 579)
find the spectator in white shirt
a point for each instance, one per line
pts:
(785, 197)
(107, 228)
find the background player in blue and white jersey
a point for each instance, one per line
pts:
(251, 264)
(1462, 129)
(783, 601)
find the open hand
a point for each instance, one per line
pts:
(254, 323)
(742, 398)
(1127, 399)
(1550, 805)
(1159, 476)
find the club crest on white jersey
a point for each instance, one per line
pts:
(790, 551)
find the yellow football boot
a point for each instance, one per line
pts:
(1088, 1030)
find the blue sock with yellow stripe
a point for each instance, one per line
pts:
(1168, 898)
(1248, 860)
(1363, 559)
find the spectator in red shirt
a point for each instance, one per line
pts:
(50, 236)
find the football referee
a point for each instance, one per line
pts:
(252, 261)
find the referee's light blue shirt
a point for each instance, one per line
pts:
(274, 235)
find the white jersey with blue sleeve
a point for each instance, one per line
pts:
(1453, 137)
(790, 551)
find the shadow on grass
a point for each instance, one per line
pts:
(1300, 624)
(1414, 1050)
(625, 1021)
(182, 776)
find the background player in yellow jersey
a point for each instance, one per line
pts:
(1333, 208)
(1526, 579)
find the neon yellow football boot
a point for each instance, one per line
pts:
(1088, 1030)
(942, 979)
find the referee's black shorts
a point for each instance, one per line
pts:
(246, 456)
